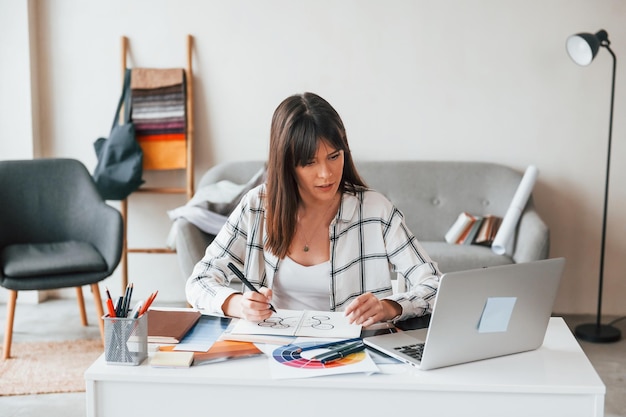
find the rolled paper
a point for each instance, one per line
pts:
(503, 242)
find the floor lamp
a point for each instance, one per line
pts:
(582, 48)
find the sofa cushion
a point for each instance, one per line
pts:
(431, 194)
(451, 257)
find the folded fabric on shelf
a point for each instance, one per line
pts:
(159, 114)
(149, 78)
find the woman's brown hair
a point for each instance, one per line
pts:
(299, 123)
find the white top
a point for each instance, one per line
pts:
(310, 283)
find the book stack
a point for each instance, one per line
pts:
(469, 229)
(187, 337)
(220, 351)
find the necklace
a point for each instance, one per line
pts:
(306, 240)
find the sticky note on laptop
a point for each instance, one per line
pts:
(496, 314)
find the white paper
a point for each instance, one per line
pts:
(333, 324)
(503, 242)
(286, 362)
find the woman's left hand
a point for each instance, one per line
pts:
(366, 310)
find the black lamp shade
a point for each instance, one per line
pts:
(583, 47)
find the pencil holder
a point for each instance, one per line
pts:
(125, 340)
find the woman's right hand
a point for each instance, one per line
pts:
(251, 306)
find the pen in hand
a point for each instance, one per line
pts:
(245, 281)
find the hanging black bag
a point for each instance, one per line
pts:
(120, 158)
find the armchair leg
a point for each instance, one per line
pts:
(8, 333)
(81, 305)
(99, 310)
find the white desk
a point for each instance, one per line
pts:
(554, 380)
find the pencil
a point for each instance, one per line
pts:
(148, 302)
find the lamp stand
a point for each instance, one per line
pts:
(597, 332)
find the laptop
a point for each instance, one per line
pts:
(480, 314)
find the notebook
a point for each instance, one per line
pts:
(480, 314)
(170, 326)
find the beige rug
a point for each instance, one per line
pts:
(48, 367)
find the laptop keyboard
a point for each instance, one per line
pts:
(414, 350)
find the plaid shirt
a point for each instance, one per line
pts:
(368, 240)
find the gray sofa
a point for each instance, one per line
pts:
(431, 194)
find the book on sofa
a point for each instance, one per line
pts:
(488, 230)
(470, 229)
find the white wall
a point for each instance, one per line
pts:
(16, 104)
(483, 80)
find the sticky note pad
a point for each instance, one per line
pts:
(172, 359)
(496, 314)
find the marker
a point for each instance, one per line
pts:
(110, 307)
(124, 305)
(330, 344)
(118, 306)
(245, 281)
(333, 355)
(130, 296)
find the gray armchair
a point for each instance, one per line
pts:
(55, 232)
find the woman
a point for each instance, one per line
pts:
(314, 236)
